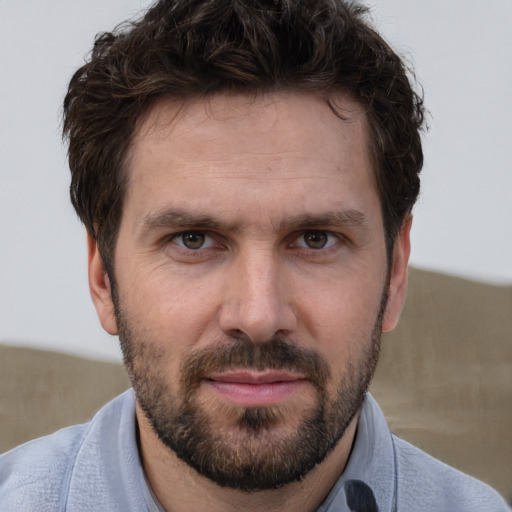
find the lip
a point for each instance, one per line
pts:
(255, 388)
(256, 376)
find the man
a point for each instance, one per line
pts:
(246, 173)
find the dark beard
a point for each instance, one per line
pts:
(252, 455)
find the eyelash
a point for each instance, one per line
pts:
(335, 238)
(332, 240)
(176, 236)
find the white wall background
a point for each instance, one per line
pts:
(462, 52)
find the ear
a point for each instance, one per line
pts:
(99, 287)
(398, 276)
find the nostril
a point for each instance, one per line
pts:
(237, 334)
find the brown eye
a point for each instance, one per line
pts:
(316, 239)
(191, 240)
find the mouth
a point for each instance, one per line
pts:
(251, 388)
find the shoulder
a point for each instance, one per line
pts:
(44, 474)
(34, 475)
(425, 483)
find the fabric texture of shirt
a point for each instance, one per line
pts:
(96, 467)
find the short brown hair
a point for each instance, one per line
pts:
(191, 48)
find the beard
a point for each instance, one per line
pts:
(254, 452)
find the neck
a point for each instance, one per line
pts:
(180, 488)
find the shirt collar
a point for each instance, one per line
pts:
(371, 469)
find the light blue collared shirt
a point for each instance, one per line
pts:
(96, 467)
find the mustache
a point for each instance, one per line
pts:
(276, 353)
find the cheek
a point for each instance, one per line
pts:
(340, 317)
(174, 311)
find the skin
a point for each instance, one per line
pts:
(266, 170)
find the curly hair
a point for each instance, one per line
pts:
(185, 49)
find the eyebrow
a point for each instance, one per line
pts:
(184, 219)
(339, 219)
(174, 217)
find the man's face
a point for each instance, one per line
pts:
(250, 281)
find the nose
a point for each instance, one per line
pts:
(257, 302)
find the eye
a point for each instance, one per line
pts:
(194, 240)
(316, 240)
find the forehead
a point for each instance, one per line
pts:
(305, 121)
(282, 148)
